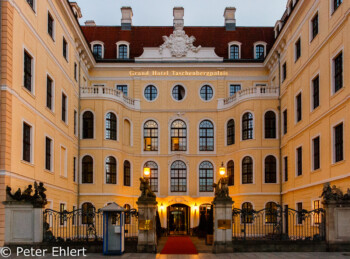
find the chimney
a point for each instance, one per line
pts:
(90, 23)
(126, 18)
(178, 13)
(76, 10)
(230, 18)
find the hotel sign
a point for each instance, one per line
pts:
(145, 224)
(224, 224)
(178, 73)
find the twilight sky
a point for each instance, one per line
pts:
(197, 12)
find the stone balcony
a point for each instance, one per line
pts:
(107, 93)
(253, 93)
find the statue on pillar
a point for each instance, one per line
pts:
(146, 191)
(221, 189)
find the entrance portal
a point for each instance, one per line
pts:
(178, 219)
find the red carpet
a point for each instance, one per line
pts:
(179, 245)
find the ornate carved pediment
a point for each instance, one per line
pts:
(179, 43)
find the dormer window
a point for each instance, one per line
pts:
(98, 50)
(234, 50)
(122, 50)
(259, 50)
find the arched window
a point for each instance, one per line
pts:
(247, 213)
(150, 136)
(271, 212)
(270, 124)
(127, 213)
(97, 51)
(206, 136)
(206, 176)
(230, 132)
(260, 51)
(231, 173)
(87, 169)
(153, 177)
(111, 126)
(178, 136)
(178, 176)
(206, 92)
(247, 126)
(247, 170)
(87, 213)
(123, 51)
(127, 173)
(270, 169)
(234, 52)
(88, 125)
(111, 170)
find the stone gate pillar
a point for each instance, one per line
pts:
(147, 207)
(222, 218)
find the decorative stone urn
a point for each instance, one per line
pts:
(222, 218)
(147, 206)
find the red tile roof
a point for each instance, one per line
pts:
(145, 36)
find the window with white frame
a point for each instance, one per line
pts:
(50, 25)
(338, 142)
(28, 70)
(316, 153)
(314, 26)
(337, 67)
(27, 143)
(299, 161)
(65, 48)
(97, 51)
(49, 93)
(234, 88)
(315, 102)
(235, 51)
(297, 50)
(48, 154)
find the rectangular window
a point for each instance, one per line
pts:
(299, 213)
(48, 154)
(75, 123)
(49, 93)
(123, 89)
(286, 169)
(336, 4)
(76, 72)
(64, 107)
(65, 49)
(299, 161)
(316, 153)
(74, 169)
(315, 92)
(50, 25)
(62, 209)
(27, 143)
(31, 3)
(338, 72)
(297, 49)
(285, 122)
(338, 143)
(314, 26)
(284, 72)
(28, 70)
(234, 89)
(63, 161)
(298, 107)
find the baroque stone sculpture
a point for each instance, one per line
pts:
(179, 43)
(334, 194)
(221, 189)
(38, 199)
(146, 191)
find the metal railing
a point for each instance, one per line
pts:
(82, 225)
(278, 224)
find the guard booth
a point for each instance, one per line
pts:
(113, 229)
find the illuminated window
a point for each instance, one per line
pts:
(150, 135)
(153, 177)
(178, 177)
(178, 136)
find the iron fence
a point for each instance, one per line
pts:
(83, 225)
(278, 224)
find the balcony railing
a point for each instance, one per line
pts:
(258, 92)
(99, 92)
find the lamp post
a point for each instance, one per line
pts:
(146, 172)
(222, 170)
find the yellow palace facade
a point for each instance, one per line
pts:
(85, 109)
